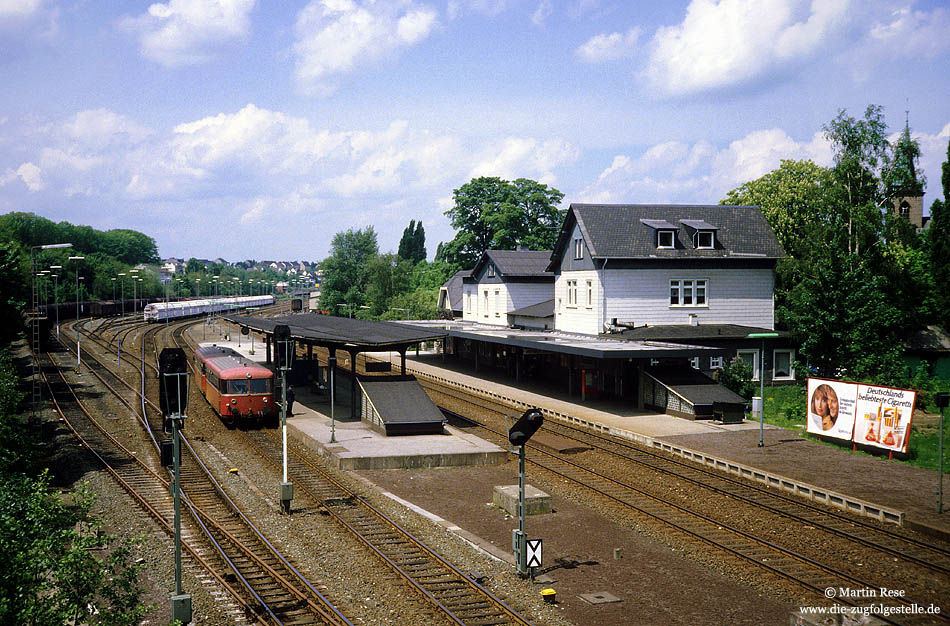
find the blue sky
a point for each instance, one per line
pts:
(247, 129)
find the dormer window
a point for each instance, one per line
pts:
(665, 238)
(491, 270)
(705, 239)
(579, 248)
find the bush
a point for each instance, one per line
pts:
(737, 376)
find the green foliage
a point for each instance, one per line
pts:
(13, 291)
(494, 214)
(737, 376)
(900, 176)
(412, 246)
(57, 568)
(938, 245)
(127, 246)
(346, 270)
(51, 573)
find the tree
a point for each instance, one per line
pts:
(860, 147)
(938, 243)
(412, 246)
(345, 270)
(494, 214)
(13, 292)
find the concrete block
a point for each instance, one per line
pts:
(535, 500)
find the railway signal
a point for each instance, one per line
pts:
(285, 356)
(520, 433)
(173, 399)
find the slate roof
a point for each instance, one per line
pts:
(541, 309)
(344, 331)
(516, 263)
(624, 231)
(694, 385)
(453, 287)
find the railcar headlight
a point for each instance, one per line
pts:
(233, 401)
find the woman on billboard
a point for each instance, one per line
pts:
(824, 406)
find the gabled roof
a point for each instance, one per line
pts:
(627, 231)
(453, 288)
(516, 263)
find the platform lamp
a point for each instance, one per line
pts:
(56, 294)
(134, 277)
(941, 399)
(285, 356)
(763, 337)
(173, 370)
(78, 329)
(37, 389)
(122, 290)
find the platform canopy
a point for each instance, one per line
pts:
(344, 332)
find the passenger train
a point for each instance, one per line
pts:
(239, 390)
(161, 311)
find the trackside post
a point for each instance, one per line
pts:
(173, 371)
(520, 433)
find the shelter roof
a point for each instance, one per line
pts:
(342, 331)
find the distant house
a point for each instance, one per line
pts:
(503, 281)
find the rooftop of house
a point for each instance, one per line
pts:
(629, 231)
(515, 263)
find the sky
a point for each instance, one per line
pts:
(246, 129)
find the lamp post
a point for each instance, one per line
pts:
(35, 327)
(135, 304)
(56, 295)
(78, 328)
(763, 337)
(122, 291)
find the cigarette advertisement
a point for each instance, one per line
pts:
(883, 417)
(865, 414)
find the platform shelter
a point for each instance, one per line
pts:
(342, 333)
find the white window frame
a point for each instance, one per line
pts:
(660, 234)
(497, 303)
(715, 362)
(692, 286)
(485, 300)
(572, 294)
(755, 360)
(590, 293)
(700, 234)
(468, 301)
(490, 272)
(579, 248)
(694, 362)
(791, 360)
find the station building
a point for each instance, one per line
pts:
(636, 302)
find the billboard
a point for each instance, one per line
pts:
(865, 414)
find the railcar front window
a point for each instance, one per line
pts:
(259, 385)
(237, 386)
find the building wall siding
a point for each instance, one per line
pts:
(743, 297)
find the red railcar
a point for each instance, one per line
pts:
(240, 391)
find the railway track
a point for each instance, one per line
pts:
(272, 589)
(454, 593)
(811, 573)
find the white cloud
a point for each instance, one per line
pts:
(521, 157)
(456, 8)
(188, 32)
(335, 37)
(29, 173)
(913, 34)
(610, 47)
(100, 127)
(542, 12)
(730, 42)
(18, 9)
(678, 172)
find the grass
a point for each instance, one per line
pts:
(785, 407)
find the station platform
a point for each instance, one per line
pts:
(888, 490)
(357, 445)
